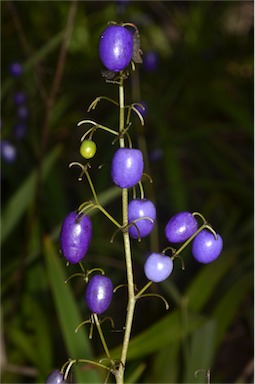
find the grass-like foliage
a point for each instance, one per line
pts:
(191, 102)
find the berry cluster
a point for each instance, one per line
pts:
(118, 49)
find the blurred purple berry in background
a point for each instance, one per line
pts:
(15, 69)
(144, 110)
(122, 5)
(8, 151)
(19, 130)
(150, 61)
(156, 154)
(20, 98)
(22, 112)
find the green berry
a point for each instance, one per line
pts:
(88, 149)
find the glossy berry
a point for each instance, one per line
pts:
(205, 248)
(116, 48)
(127, 167)
(99, 293)
(138, 208)
(88, 149)
(75, 237)
(55, 377)
(158, 267)
(180, 227)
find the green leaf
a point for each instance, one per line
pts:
(228, 305)
(165, 331)
(77, 344)
(202, 340)
(166, 363)
(203, 285)
(21, 199)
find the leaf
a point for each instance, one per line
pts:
(201, 351)
(165, 331)
(18, 203)
(77, 344)
(203, 285)
(166, 363)
(228, 305)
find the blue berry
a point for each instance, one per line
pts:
(180, 227)
(15, 69)
(116, 48)
(8, 151)
(20, 98)
(55, 377)
(138, 208)
(158, 267)
(22, 112)
(150, 61)
(75, 237)
(99, 293)
(19, 130)
(127, 167)
(205, 248)
(143, 110)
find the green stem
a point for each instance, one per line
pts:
(143, 289)
(92, 187)
(128, 256)
(107, 214)
(184, 245)
(99, 329)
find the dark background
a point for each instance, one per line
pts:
(198, 138)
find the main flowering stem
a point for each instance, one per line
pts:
(127, 250)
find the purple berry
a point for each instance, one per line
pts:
(8, 151)
(150, 61)
(15, 69)
(138, 208)
(20, 98)
(19, 130)
(144, 110)
(205, 248)
(127, 167)
(22, 112)
(55, 377)
(116, 48)
(156, 154)
(75, 237)
(180, 227)
(99, 293)
(158, 267)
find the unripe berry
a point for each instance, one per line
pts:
(88, 149)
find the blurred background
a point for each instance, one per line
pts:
(196, 82)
